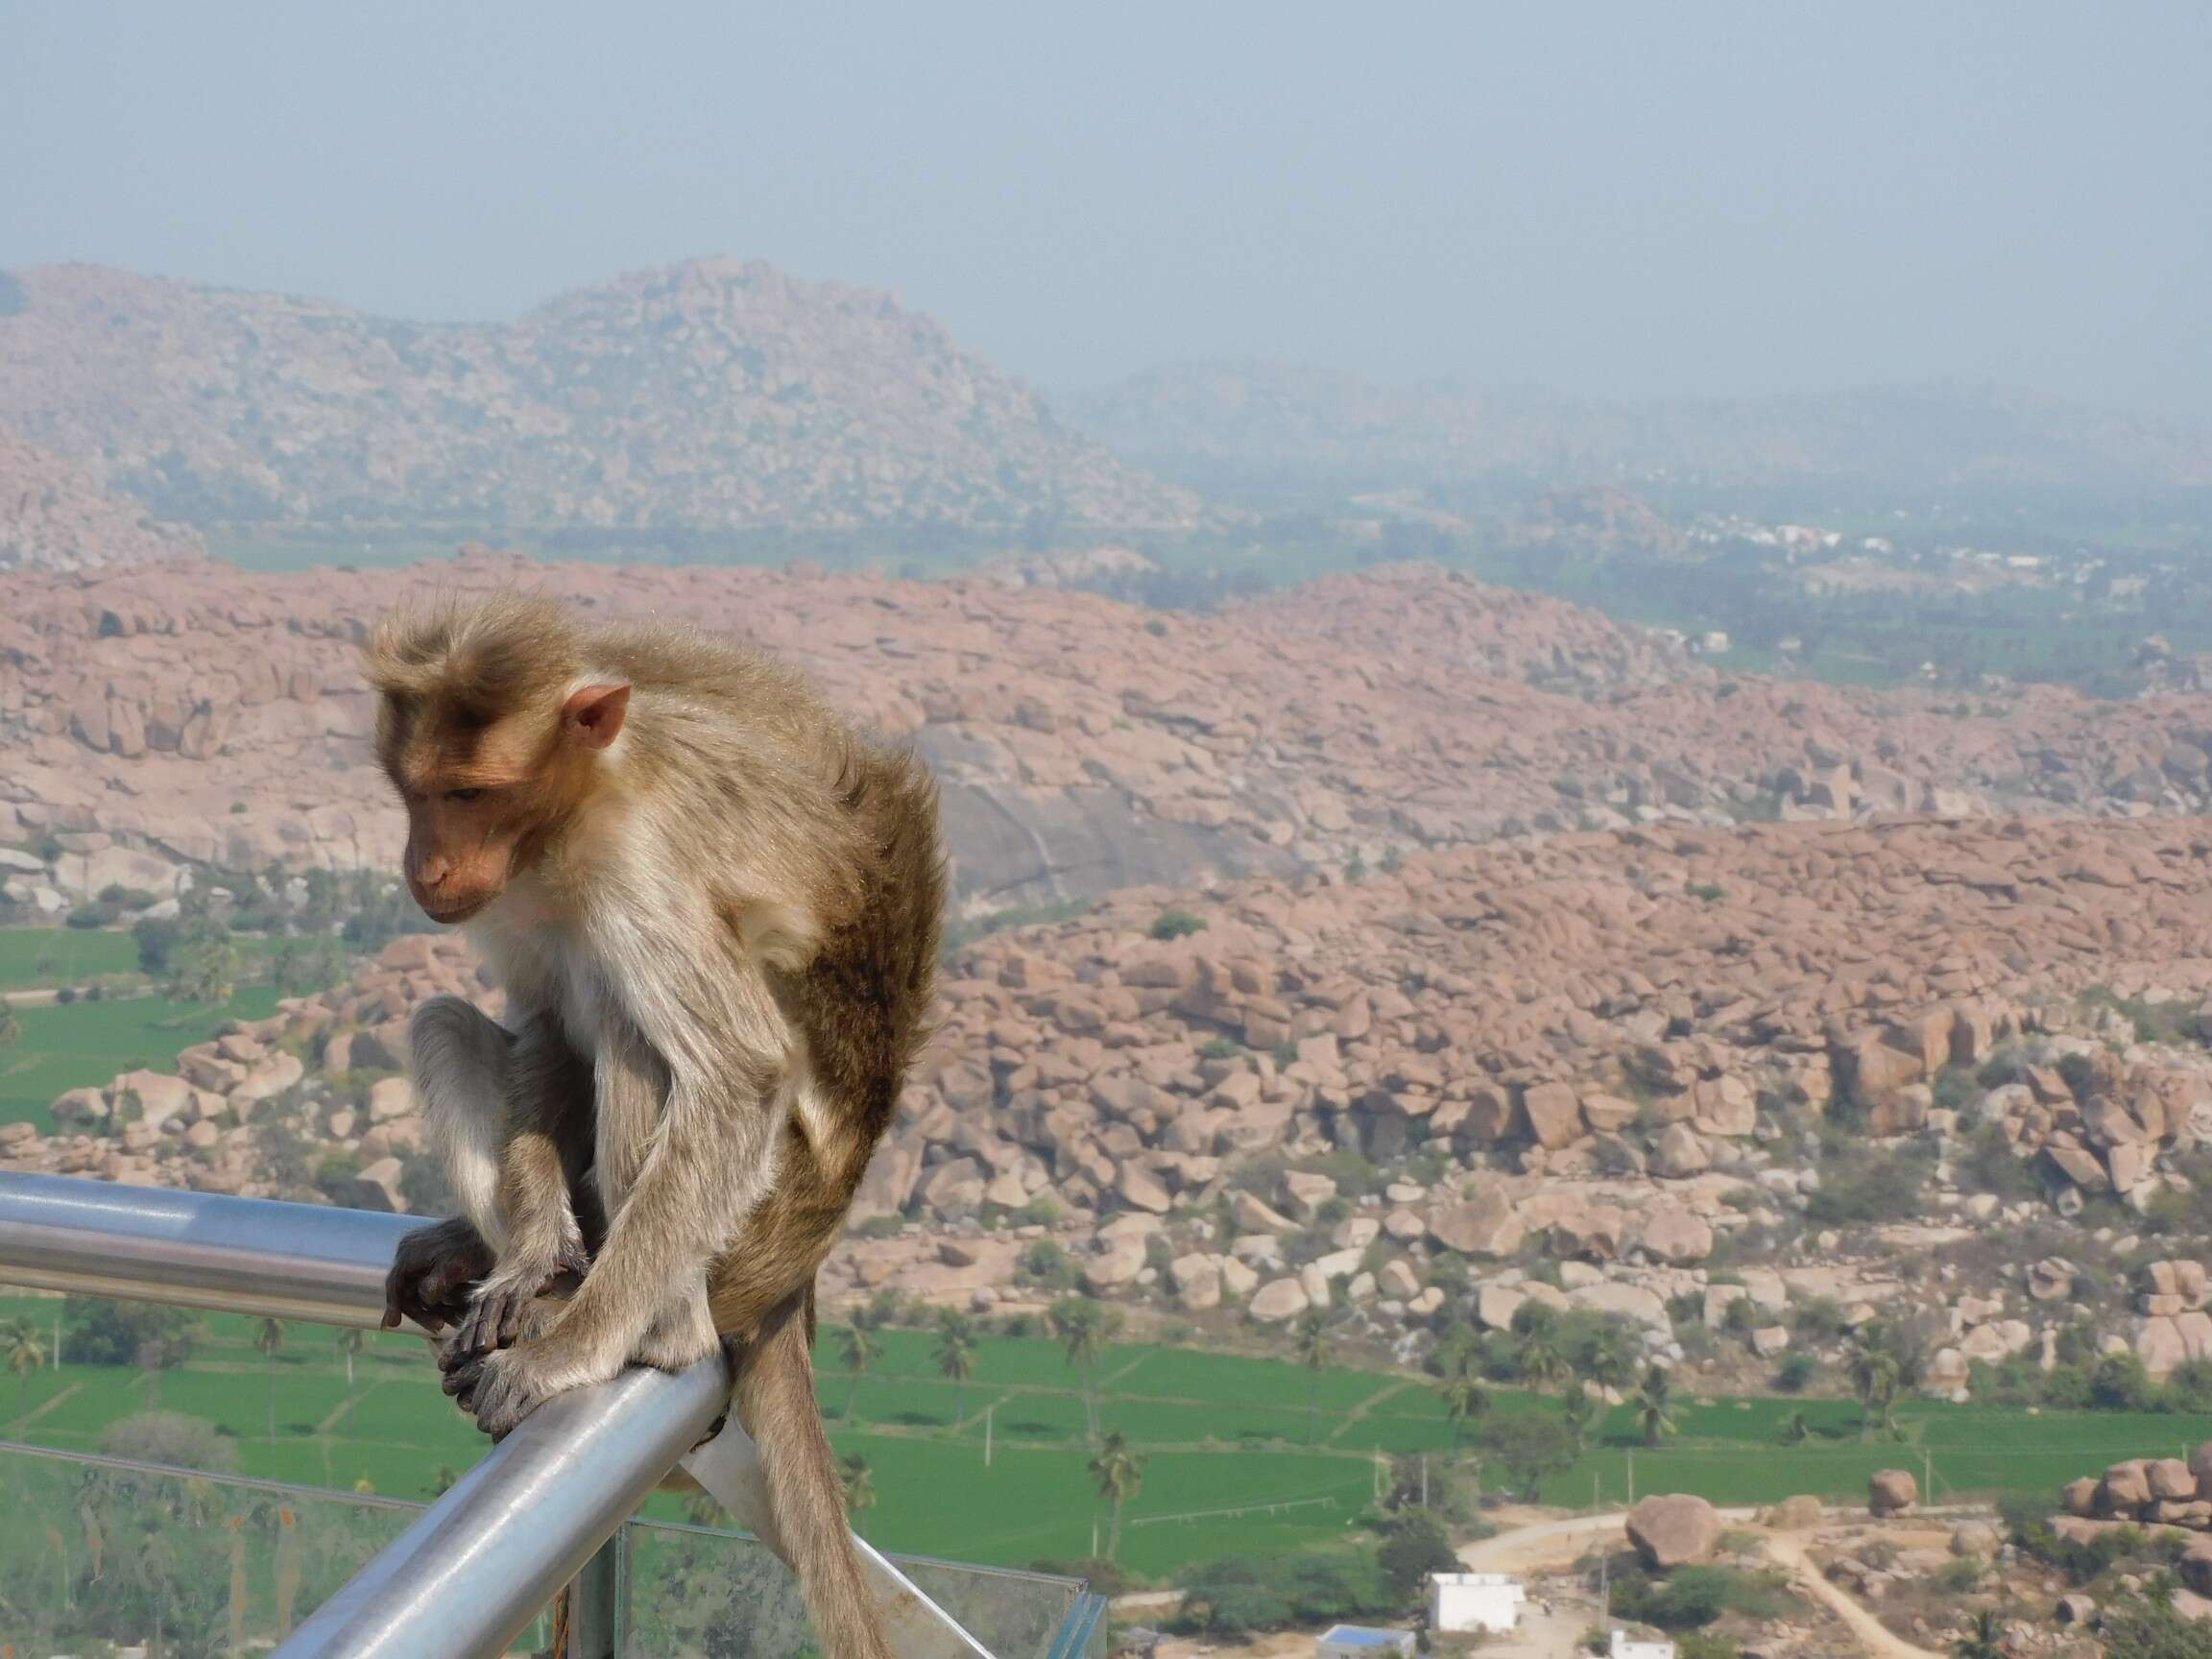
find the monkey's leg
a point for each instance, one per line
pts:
(543, 1150)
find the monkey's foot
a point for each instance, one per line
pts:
(679, 1337)
(500, 1389)
(513, 1304)
(431, 1272)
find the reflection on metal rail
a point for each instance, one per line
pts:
(468, 1576)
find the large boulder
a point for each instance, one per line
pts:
(1892, 1492)
(1485, 1225)
(1676, 1530)
(1675, 1235)
(2124, 1489)
(1279, 1300)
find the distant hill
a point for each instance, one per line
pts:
(711, 396)
(57, 516)
(1219, 423)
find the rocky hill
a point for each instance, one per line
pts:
(194, 713)
(712, 396)
(57, 516)
(1229, 421)
(1946, 1071)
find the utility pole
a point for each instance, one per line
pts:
(1631, 1477)
(987, 1410)
(1927, 1475)
(1423, 1479)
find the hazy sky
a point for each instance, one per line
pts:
(1651, 198)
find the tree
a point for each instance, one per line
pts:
(1984, 1637)
(956, 1356)
(1084, 1328)
(11, 1028)
(1466, 1401)
(858, 1348)
(1121, 1475)
(1795, 1431)
(1539, 1359)
(205, 966)
(1415, 1545)
(26, 1347)
(351, 1343)
(859, 1481)
(1312, 1337)
(268, 1338)
(1655, 1397)
(1531, 1449)
(1579, 1410)
(1874, 1373)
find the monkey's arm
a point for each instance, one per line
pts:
(696, 1002)
(544, 1150)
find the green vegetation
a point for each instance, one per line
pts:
(1176, 925)
(1226, 1470)
(85, 1043)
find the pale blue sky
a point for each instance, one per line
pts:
(1621, 199)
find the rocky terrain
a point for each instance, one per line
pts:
(712, 396)
(166, 715)
(1929, 1073)
(1227, 423)
(57, 516)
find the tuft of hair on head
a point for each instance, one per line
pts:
(481, 658)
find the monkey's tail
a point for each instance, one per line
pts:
(774, 1400)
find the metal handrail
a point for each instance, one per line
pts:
(469, 1575)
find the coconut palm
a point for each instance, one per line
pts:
(1581, 1409)
(1874, 1373)
(1538, 1356)
(1121, 1475)
(858, 1350)
(956, 1356)
(351, 1343)
(1465, 1400)
(1312, 1338)
(1984, 1637)
(1084, 1328)
(268, 1338)
(26, 1347)
(859, 1481)
(1655, 1396)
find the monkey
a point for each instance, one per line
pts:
(714, 908)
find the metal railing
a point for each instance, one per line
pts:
(473, 1572)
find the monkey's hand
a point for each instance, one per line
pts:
(431, 1272)
(506, 1306)
(503, 1387)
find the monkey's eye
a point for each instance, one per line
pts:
(463, 794)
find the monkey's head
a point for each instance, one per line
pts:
(492, 731)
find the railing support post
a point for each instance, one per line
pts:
(595, 1604)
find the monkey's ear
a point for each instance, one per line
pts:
(593, 718)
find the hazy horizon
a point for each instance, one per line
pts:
(1616, 203)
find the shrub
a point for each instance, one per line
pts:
(1237, 1594)
(105, 1332)
(1415, 1545)
(1175, 924)
(170, 1437)
(1795, 1374)
(1862, 1184)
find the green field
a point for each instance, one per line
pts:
(1228, 1467)
(85, 1044)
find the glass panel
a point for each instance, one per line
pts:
(722, 1596)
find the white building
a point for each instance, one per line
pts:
(1465, 1601)
(1362, 1642)
(1624, 1646)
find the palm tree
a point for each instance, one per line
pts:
(1610, 1356)
(1984, 1637)
(1121, 1475)
(1653, 1396)
(268, 1338)
(1465, 1400)
(1539, 1358)
(956, 1356)
(1795, 1431)
(859, 1481)
(1313, 1347)
(858, 1348)
(350, 1344)
(1874, 1374)
(1084, 1328)
(1580, 1407)
(26, 1347)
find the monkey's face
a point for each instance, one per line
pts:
(484, 798)
(461, 850)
